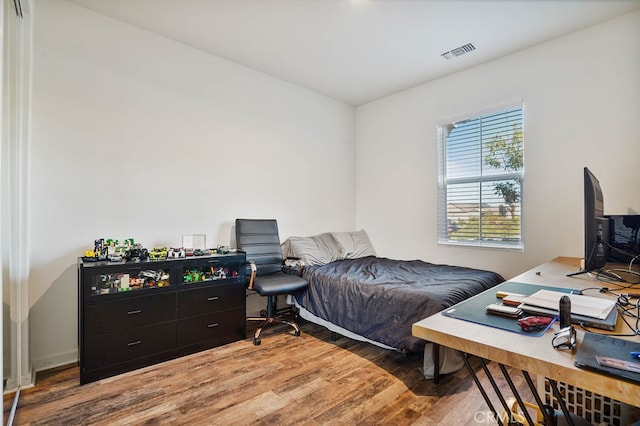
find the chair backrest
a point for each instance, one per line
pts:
(259, 238)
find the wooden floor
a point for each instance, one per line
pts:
(307, 380)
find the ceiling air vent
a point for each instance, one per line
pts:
(459, 51)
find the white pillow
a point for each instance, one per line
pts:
(317, 250)
(355, 244)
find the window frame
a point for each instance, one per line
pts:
(443, 182)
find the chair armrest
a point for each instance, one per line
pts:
(254, 269)
(293, 261)
(293, 266)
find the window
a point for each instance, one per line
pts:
(481, 179)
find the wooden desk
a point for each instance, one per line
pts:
(532, 354)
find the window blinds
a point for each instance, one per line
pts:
(481, 180)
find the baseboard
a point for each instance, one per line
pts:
(28, 381)
(54, 361)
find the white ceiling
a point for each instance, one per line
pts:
(359, 50)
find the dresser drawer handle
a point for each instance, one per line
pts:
(212, 298)
(137, 342)
(215, 324)
(137, 311)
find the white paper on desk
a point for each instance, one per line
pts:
(594, 307)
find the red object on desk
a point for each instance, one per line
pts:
(533, 323)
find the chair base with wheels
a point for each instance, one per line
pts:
(270, 318)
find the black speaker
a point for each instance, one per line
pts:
(565, 312)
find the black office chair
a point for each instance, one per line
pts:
(260, 240)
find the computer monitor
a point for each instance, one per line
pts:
(624, 238)
(596, 226)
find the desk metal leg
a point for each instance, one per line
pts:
(478, 384)
(436, 362)
(507, 377)
(494, 385)
(560, 399)
(548, 420)
(547, 417)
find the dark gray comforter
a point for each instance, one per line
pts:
(381, 298)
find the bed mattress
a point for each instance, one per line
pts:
(380, 298)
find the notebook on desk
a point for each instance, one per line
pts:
(588, 306)
(600, 345)
(609, 323)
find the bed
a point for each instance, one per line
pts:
(357, 294)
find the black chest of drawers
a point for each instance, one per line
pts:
(134, 314)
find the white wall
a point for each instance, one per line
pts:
(138, 136)
(582, 106)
